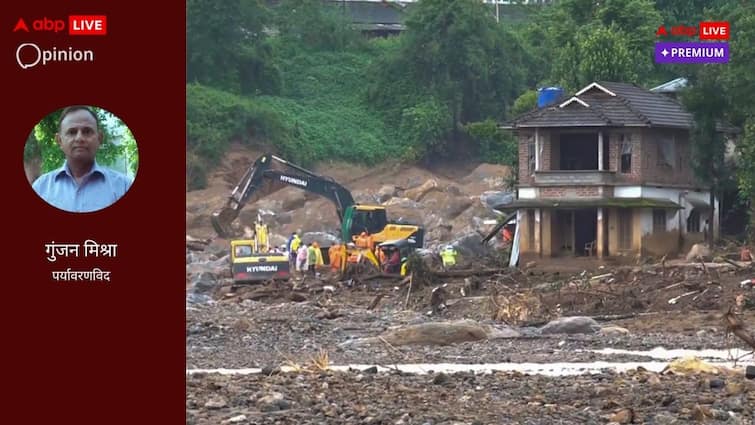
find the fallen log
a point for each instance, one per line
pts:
(379, 276)
(735, 326)
(612, 317)
(733, 263)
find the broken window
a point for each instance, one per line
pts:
(666, 151)
(626, 154)
(531, 155)
(693, 222)
(659, 221)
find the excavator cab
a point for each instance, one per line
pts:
(363, 218)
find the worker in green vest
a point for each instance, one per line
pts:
(448, 255)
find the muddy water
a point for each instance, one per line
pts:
(546, 369)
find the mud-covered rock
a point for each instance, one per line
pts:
(571, 325)
(493, 198)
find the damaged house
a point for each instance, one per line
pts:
(608, 172)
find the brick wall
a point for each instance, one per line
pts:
(681, 173)
(524, 176)
(614, 156)
(548, 153)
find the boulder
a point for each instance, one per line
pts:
(386, 192)
(322, 238)
(204, 282)
(417, 193)
(494, 198)
(455, 206)
(571, 325)
(470, 245)
(699, 251)
(294, 201)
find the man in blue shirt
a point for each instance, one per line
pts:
(80, 185)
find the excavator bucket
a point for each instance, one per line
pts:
(222, 219)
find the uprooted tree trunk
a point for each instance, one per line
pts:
(421, 274)
(735, 326)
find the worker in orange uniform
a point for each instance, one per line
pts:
(362, 241)
(334, 256)
(508, 236)
(381, 255)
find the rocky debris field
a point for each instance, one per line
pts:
(366, 397)
(304, 338)
(522, 316)
(449, 202)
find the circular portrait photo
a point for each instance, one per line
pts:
(81, 159)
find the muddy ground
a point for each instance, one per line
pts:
(312, 325)
(295, 324)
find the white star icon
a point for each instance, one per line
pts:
(664, 52)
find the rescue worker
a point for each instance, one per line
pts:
(354, 256)
(508, 236)
(381, 255)
(318, 256)
(293, 248)
(362, 241)
(301, 258)
(312, 258)
(334, 256)
(404, 266)
(448, 255)
(394, 262)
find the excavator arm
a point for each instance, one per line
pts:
(268, 174)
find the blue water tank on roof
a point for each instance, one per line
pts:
(547, 96)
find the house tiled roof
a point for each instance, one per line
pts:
(659, 110)
(572, 115)
(611, 104)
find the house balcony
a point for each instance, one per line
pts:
(574, 177)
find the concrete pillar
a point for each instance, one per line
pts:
(600, 150)
(613, 231)
(573, 235)
(537, 150)
(599, 239)
(538, 248)
(546, 239)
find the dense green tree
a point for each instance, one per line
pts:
(311, 24)
(707, 102)
(226, 46)
(746, 171)
(453, 52)
(524, 103)
(561, 37)
(600, 54)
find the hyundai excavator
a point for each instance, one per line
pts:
(270, 173)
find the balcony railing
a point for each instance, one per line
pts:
(574, 177)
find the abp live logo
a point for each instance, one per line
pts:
(77, 25)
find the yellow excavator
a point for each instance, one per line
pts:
(253, 260)
(270, 173)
